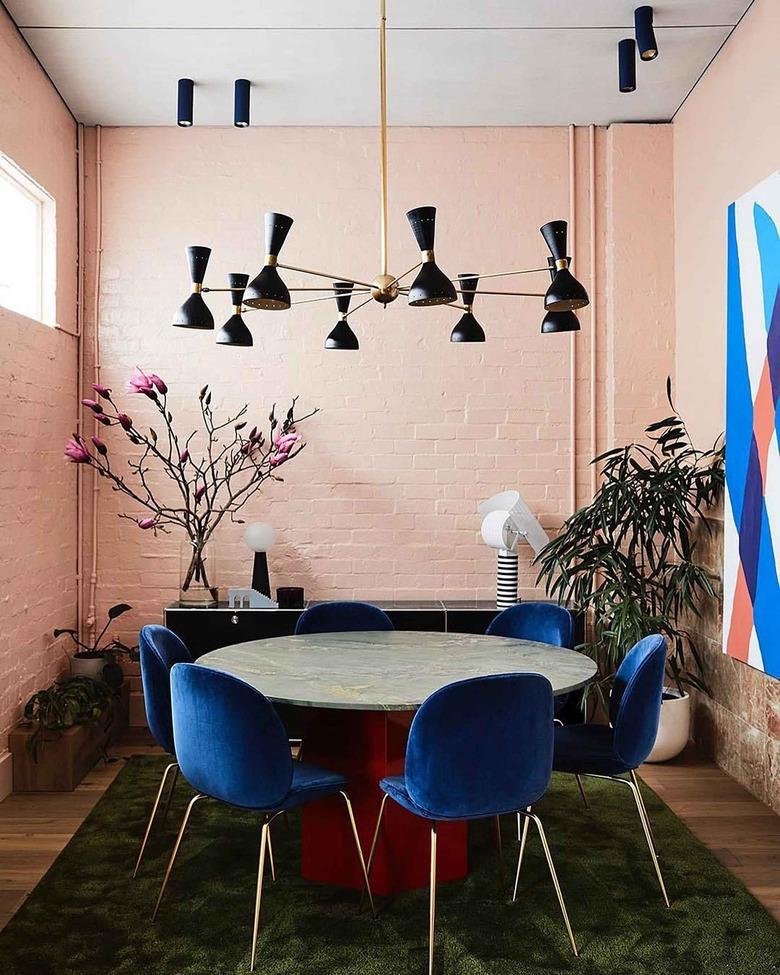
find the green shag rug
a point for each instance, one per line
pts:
(87, 917)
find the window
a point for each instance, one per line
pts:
(27, 245)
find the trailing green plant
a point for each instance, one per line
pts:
(75, 701)
(629, 559)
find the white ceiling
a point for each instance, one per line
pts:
(451, 62)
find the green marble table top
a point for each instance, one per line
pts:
(396, 671)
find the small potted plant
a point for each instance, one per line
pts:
(74, 701)
(98, 659)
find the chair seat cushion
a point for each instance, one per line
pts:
(395, 787)
(310, 782)
(586, 748)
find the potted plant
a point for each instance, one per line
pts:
(628, 560)
(75, 701)
(98, 659)
(232, 466)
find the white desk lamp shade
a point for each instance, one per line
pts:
(259, 537)
(506, 518)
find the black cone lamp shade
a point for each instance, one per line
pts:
(645, 35)
(194, 313)
(184, 102)
(627, 65)
(468, 328)
(267, 290)
(234, 331)
(565, 293)
(431, 286)
(241, 103)
(558, 321)
(342, 337)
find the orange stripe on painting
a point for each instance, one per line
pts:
(741, 626)
(764, 419)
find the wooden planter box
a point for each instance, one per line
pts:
(66, 756)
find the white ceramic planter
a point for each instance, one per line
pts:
(673, 728)
(87, 667)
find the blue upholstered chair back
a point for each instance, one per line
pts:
(635, 702)
(342, 617)
(481, 746)
(544, 622)
(160, 649)
(230, 742)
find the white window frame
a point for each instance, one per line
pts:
(46, 290)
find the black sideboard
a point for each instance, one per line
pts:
(204, 630)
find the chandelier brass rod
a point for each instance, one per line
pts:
(383, 131)
(322, 274)
(505, 274)
(402, 276)
(341, 294)
(515, 294)
(357, 308)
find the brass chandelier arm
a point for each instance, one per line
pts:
(402, 276)
(322, 274)
(341, 294)
(356, 308)
(514, 294)
(383, 130)
(506, 274)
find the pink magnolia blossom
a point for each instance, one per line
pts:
(184, 456)
(159, 383)
(139, 382)
(125, 422)
(106, 421)
(103, 391)
(146, 523)
(76, 450)
(286, 441)
(200, 492)
(93, 405)
(100, 446)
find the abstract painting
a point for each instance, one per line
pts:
(751, 571)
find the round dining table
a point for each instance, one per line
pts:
(360, 692)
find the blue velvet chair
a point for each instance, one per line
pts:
(160, 649)
(232, 746)
(543, 622)
(342, 617)
(614, 752)
(454, 771)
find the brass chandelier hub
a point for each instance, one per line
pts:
(384, 289)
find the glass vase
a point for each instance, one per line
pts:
(198, 574)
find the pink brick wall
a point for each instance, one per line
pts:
(413, 431)
(38, 406)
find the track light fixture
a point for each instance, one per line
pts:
(430, 286)
(627, 64)
(234, 331)
(468, 328)
(645, 35)
(184, 103)
(241, 103)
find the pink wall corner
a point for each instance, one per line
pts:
(38, 377)
(726, 139)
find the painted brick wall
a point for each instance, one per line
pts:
(38, 404)
(413, 431)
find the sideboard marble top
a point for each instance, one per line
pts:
(395, 671)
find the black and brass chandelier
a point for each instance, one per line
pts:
(267, 291)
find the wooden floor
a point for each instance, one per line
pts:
(742, 832)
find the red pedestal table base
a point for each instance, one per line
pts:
(365, 746)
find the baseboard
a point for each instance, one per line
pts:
(6, 775)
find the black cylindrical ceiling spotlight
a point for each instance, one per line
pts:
(241, 103)
(267, 290)
(184, 106)
(645, 35)
(234, 331)
(559, 321)
(468, 328)
(565, 293)
(342, 336)
(194, 313)
(431, 286)
(627, 64)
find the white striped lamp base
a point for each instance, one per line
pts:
(506, 579)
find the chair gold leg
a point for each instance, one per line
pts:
(554, 875)
(265, 836)
(145, 840)
(582, 790)
(177, 844)
(358, 849)
(523, 839)
(432, 905)
(635, 780)
(376, 833)
(271, 855)
(648, 836)
(170, 796)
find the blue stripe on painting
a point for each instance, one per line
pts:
(766, 602)
(750, 522)
(769, 257)
(739, 400)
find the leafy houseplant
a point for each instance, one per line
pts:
(629, 558)
(202, 490)
(75, 701)
(90, 660)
